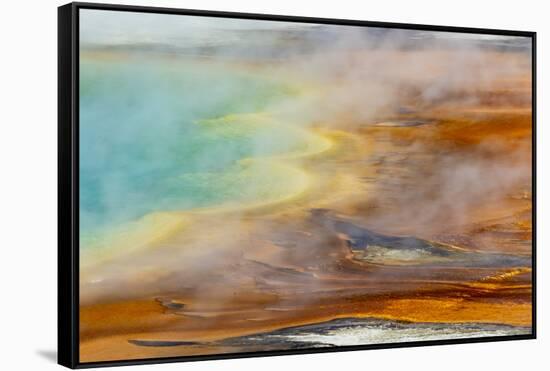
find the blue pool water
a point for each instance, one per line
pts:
(163, 135)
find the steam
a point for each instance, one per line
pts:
(440, 193)
(310, 76)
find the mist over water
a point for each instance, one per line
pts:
(166, 117)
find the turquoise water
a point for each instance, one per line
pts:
(145, 145)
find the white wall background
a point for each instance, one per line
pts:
(28, 181)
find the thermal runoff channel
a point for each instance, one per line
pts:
(253, 185)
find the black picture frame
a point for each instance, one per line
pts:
(68, 181)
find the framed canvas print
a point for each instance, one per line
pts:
(236, 185)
